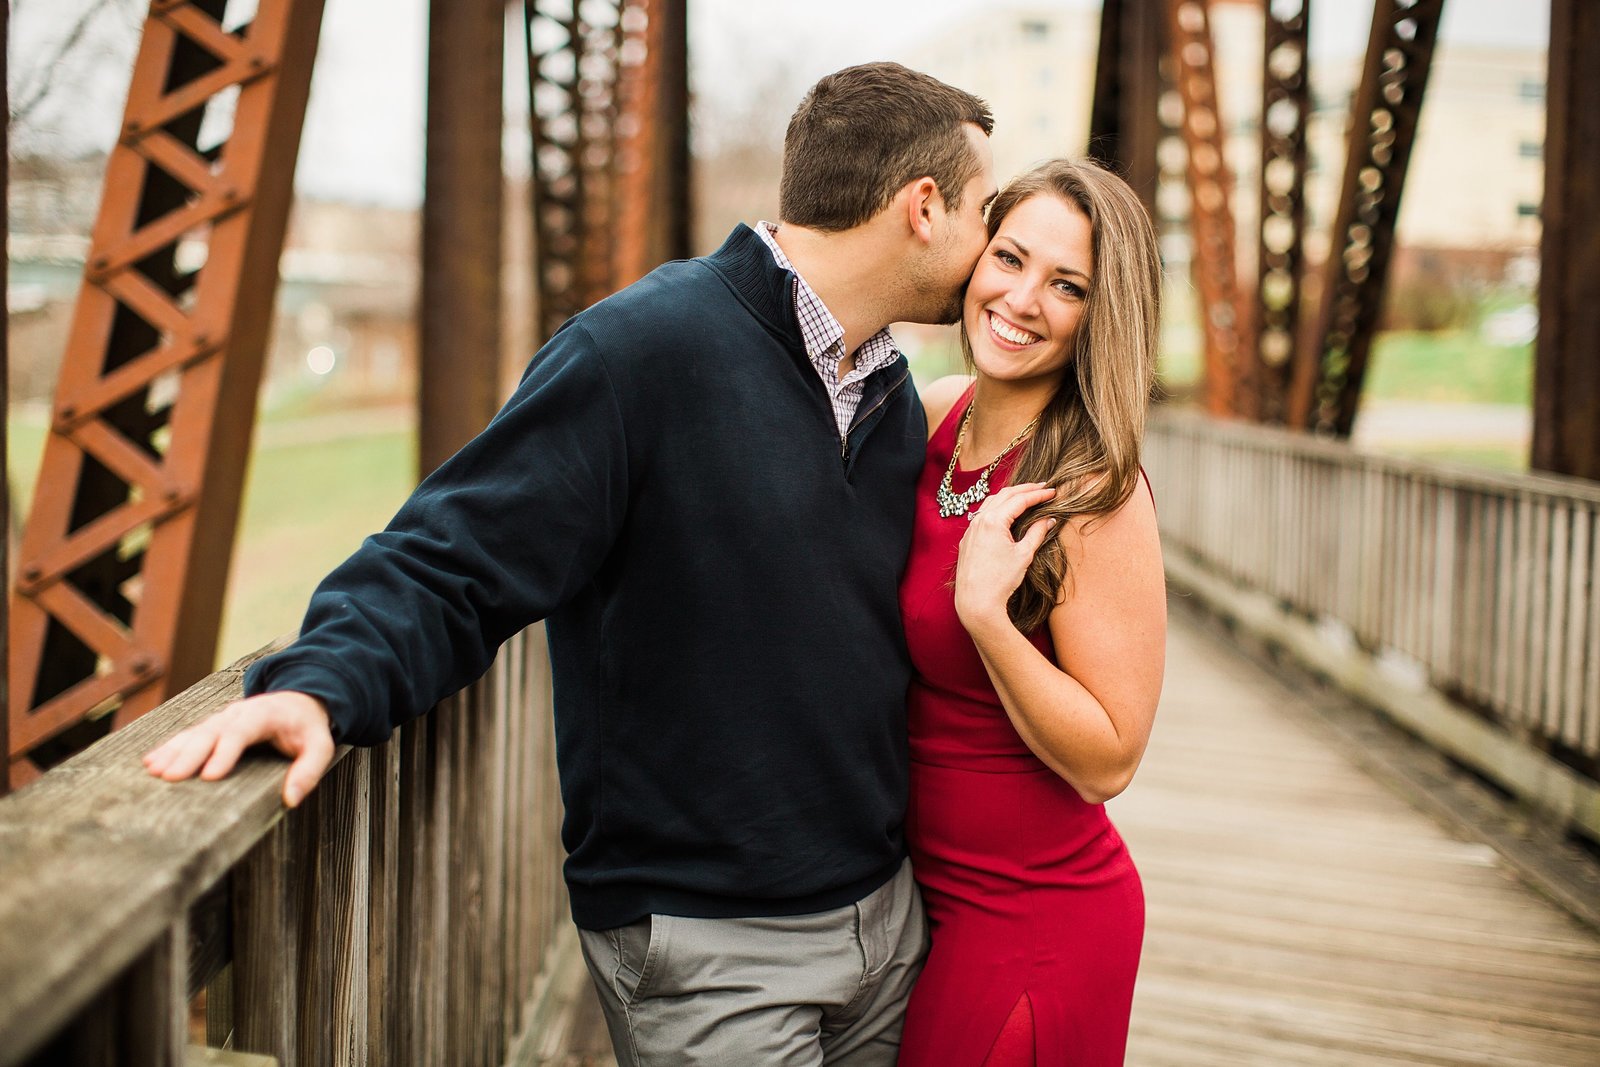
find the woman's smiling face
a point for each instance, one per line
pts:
(1026, 299)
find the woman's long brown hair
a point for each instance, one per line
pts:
(1089, 435)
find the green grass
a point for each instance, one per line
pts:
(315, 488)
(1449, 367)
(306, 507)
(1511, 457)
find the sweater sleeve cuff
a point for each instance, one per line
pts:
(349, 726)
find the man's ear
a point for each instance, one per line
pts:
(924, 207)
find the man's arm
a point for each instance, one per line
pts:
(504, 532)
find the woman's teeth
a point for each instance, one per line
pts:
(1007, 332)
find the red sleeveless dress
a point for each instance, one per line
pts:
(1030, 892)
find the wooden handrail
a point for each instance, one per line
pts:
(1486, 583)
(409, 911)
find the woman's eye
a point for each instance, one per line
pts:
(1007, 258)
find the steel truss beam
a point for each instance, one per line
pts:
(1214, 264)
(1124, 123)
(653, 146)
(125, 555)
(458, 379)
(1566, 401)
(609, 88)
(1285, 114)
(1326, 389)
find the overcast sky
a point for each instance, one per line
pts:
(363, 137)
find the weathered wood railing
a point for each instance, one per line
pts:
(410, 911)
(1485, 584)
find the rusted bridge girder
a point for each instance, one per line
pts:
(458, 386)
(1285, 114)
(1228, 381)
(1566, 401)
(126, 551)
(608, 81)
(1326, 389)
(125, 557)
(1124, 127)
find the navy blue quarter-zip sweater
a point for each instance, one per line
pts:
(666, 487)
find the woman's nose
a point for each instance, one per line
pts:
(1023, 300)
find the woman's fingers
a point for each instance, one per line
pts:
(1009, 503)
(1033, 538)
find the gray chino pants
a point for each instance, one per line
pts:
(800, 990)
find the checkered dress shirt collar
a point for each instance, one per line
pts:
(824, 340)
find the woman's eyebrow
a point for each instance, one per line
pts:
(1059, 270)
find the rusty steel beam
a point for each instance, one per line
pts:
(1566, 400)
(458, 380)
(653, 220)
(125, 556)
(1285, 115)
(1226, 380)
(1124, 117)
(600, 101)
(1326, 388)
(559, 41)
(5, 392)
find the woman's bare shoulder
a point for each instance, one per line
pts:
(939, 396)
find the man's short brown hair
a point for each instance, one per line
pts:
(862, 133)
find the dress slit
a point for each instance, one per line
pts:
(1014, 1045)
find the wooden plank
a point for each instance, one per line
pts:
(1517, 637)
(195, 1056)
(1581, 579)
(1591, 699)
(1505, 555)
(334, 850)
(268, 941)
(419, 1028)
(98, 859)
(467, 927)
(384, 982)
(1318, 927)
(1556, 624)
(1538, 553)
(155, 1007)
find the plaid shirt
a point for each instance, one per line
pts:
(824, 339)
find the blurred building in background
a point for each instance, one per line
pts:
(1476, 173)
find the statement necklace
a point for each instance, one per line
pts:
(953, 504)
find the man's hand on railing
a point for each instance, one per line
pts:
(293, 723)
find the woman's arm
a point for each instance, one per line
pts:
(1090, 718)
(940, 396)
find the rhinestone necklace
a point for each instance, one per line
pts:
(953, 504)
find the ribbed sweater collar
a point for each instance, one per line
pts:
(746, 261)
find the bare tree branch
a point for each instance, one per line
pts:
(29, 99)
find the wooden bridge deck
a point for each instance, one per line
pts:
(1301, 913)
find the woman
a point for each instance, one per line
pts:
(1039, 665)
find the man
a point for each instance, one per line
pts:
(705, 484)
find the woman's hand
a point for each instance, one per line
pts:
(991, 564)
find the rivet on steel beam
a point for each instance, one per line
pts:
(67, 412)
(258, 62)
(202, 340)
(31, 572)
(230, 193)
(173, 494)
(132, 127)
(143, 665)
